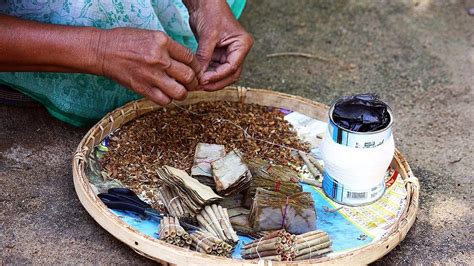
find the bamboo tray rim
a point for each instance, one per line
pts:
(169, 254)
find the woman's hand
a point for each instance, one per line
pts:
(223, 43)
(148, 62)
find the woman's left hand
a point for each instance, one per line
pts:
(223, 43)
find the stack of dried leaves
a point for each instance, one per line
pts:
(274, 210)
(169, 137)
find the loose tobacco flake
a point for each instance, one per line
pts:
(169, 137)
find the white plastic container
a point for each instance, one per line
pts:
(355, 163)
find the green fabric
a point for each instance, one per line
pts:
(81, 99)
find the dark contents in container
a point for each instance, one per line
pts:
(361, 113)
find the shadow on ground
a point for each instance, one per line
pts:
(417, 55)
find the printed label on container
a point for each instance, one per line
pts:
(358, 140)
(345, 195)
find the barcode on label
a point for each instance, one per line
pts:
(356, 195)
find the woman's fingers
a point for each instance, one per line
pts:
(235, 56)
(183, 74)
(205, 51)
(162, 89)
(219, 72)
(170, 87)
(224, 82)
(219, 55)
(185, 67)
(184, 55)
(156, 95)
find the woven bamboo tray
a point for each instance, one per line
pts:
(169, 254)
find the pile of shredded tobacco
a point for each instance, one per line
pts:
(169, 137)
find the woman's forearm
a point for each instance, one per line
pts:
(146, 61)
(31, 46)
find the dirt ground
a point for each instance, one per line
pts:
(417, 55)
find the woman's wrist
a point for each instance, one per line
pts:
(81, 50)
(97, 51)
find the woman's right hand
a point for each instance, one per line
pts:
(148, 62)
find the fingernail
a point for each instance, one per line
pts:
(204, 82)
